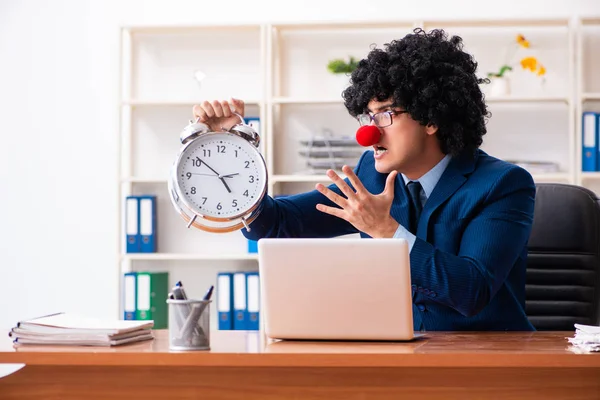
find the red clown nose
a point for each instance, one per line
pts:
(367, 135)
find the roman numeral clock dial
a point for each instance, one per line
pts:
(219, 178)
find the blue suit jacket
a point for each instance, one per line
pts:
(468, 261)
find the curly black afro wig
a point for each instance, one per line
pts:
(432, 78)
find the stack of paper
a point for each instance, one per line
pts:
(586, 339)
(70, 329)
(329, 152)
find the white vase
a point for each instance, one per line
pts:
(499, 87)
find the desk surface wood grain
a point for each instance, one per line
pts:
(252, 349)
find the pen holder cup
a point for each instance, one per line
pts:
(189, 324)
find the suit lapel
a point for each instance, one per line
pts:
(453, 178)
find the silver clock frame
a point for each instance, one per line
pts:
(201, 221)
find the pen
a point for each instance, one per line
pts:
(178, 291)
(206, 297)
(208, 294)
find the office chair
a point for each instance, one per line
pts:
(563, 265)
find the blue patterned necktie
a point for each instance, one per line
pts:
(414, 189)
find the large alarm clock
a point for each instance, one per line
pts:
(219, 178)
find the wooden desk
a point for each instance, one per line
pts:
(242, 366)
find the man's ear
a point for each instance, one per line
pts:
(431, 129)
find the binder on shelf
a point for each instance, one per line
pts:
(240, 310)
(129, 296)
(590, 157)
(152, 292)
(132, 224)
(225, 300)
(252, 246)
(147, 213)
(253, 301)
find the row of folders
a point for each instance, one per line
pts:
(145, 297)
(238, 300)
(590, 160)
(140, 224)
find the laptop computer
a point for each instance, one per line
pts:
(336, 289)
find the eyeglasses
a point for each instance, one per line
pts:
(381, 119)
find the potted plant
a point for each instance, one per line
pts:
(341, 66)
(499, 81)
(500, 84)
(341, 69)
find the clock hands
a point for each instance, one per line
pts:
(216, 173)
(221, 177)
(226, 186)
(208, 166)
(196, 173)
(214, 176)
(228, 175)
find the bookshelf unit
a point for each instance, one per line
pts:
(158, 88)
(588, 88)
(279, 70)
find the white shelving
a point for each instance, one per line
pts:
(305, 100)
(174, 103)
(144, 180)
(527, 99)
(590, 175)
(279, 70)
(301, 178)
(552, 177)
(587, 88)
(158, 91)
(489, 99)
(188, 257)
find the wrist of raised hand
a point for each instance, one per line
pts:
(387, 229)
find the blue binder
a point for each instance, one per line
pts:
(589, 156)
(132, 224)
(129, 295)
(252, 246)
(253, 301)
(147, 213)
(224, 292)
(239, 301)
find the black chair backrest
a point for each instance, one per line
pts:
(563, 271)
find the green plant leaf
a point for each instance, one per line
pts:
(500, 73)
(341, 66)
(504, 69)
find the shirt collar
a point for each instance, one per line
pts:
(431, 178)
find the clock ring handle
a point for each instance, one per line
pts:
(245, 131)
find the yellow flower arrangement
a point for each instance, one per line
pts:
(521, 41)
(530, 63)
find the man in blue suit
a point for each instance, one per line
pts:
(466, 215)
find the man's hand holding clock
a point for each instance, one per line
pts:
(219, 115)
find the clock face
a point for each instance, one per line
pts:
(221, 175)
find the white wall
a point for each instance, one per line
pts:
(59, 122)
